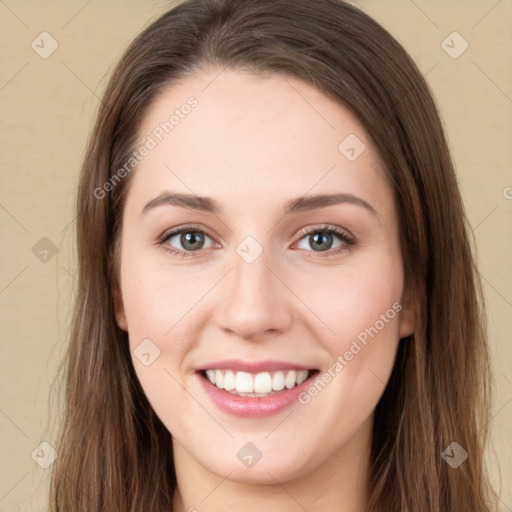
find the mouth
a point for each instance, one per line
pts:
(254, 389)
(256, 385)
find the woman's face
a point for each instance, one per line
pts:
(264, 286)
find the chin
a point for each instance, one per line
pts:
(269, 469)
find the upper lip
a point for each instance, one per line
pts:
(253, 366)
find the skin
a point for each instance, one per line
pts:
(252, 143)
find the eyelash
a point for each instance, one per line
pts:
(347, 240)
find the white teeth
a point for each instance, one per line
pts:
(229, 380)
(290, 379)
(278, 381)
(219, 379)
(302, 376)
(260, 384)
(263, 383)
(244, 382)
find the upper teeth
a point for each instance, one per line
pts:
(265, 382)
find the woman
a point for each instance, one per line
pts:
(221, 356)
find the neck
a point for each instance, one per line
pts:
(338, 484)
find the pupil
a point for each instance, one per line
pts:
(188, 239)
(318, 238)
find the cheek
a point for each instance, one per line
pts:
(357, 319)
(159, 308)
(158, 299)
(350, 301)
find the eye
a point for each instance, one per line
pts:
(322, 238)
(190, 238)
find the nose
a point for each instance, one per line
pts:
(255, 301)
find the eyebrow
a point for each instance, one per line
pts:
(300, 204)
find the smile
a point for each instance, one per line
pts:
(254, 389)
(256, 384)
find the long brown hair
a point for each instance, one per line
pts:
(115, 454)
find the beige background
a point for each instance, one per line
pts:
(47, 110)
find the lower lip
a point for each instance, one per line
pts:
(254, 407)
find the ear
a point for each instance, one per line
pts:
(407, 314)
(119, 306)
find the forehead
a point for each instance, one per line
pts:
(252, 137)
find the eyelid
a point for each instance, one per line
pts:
(187, 227)
(329, 228)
